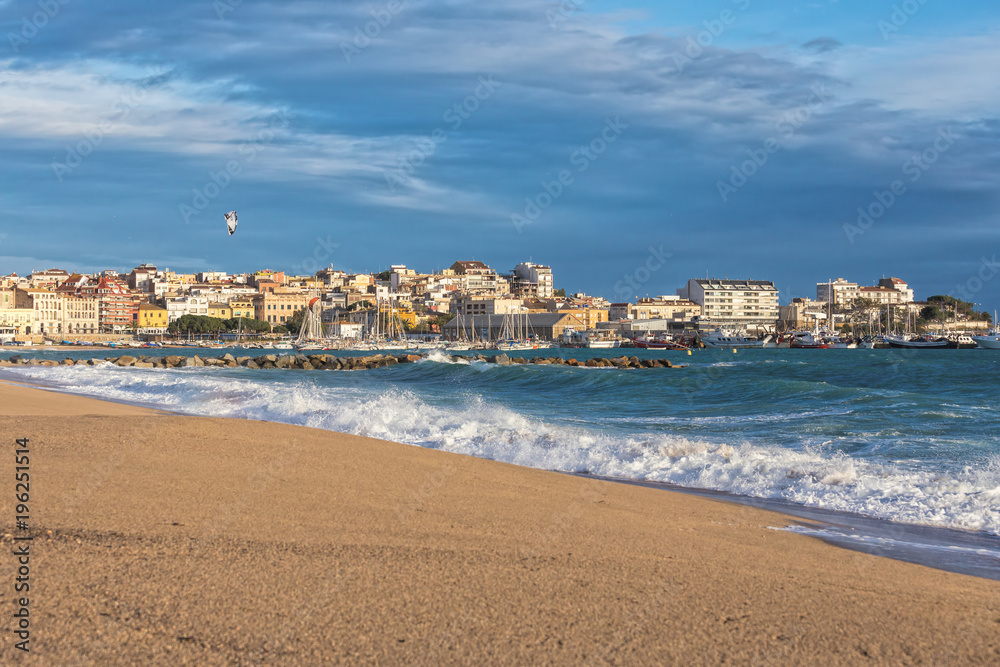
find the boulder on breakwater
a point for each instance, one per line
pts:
(330, 362)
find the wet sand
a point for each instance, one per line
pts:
(165, 539)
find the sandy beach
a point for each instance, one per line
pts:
(166, 539)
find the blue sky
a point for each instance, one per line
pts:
(739, 137)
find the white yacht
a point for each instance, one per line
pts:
(989, 341)
(733, 339)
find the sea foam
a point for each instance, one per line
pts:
(898, 491)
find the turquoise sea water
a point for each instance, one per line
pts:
(896, 435)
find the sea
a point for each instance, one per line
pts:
(894, 452)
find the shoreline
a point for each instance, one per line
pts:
(975, 553)
(210, 540)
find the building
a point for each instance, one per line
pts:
(153, 320)
(479, 278)
(482, 304)
(143, 279)
(242, 308)
(118, 307)
(6, 297)
(222, 311)
(802, 314)
(179, 306)
(17, 321)
(276, 308)
(905, 293)
(49, 279)
(81, 314)
(532, 280)
(340, 329)
(740, 304)
(46, 306)
(666, 307)
(887, 296)
(840, 292)
(545, 326)
(638, 328)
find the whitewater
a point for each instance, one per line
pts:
(875, 433)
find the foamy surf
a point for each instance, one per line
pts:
(469, 423)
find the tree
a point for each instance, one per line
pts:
(360, 305)
(559, 292)
(294, 323)
(931, 313)
(863, 308)
(248, 324)
(197, 324)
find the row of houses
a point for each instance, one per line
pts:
(148, 299)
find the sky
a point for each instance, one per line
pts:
(629, 145)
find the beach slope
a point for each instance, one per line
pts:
(165, 539)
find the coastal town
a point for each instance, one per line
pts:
(469, 302)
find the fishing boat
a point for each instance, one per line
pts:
(730, 339)
(597, 339)
(657, 344)
(804, 340)
(925, 342)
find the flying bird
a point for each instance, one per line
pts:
(231, 222)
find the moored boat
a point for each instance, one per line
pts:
(925, 342)
(990, 341)
(733, 339)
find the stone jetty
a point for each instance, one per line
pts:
(329, 362)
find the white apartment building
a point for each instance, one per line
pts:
(47, 306)
(666, 307)
(17, 321)
(81, 314)
(178, 306)
(532, 280)
(745, 304)
(840, 292)
(485, 305)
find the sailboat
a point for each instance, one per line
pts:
(513, 334)
(311, 336)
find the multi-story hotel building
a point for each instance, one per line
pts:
(276, 308)
(47, 306)
(153, 320)
(119, 307)
(532, 280)
(889, 291)
(667, 307)
(744, 304)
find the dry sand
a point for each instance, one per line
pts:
(163, 539)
